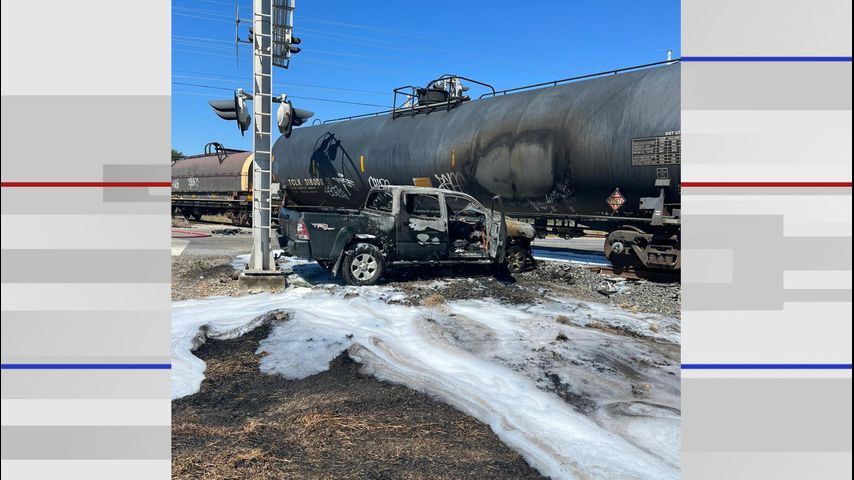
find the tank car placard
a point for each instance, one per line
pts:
(663, 150)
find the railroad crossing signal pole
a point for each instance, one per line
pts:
(261, 259)
(272, 37)
(273, 42)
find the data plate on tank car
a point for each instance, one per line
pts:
(663, 150)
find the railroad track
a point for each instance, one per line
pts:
(225, 222)
(215, 222)
(631, 274)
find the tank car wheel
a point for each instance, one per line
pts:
(618, 251)
(516, 258)
(362, 265)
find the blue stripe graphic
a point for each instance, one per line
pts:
(766, 59)
(766, 366)
(85, 366)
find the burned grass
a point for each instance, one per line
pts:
(202, 276)
(337, 424)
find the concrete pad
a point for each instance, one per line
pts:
(257, 282)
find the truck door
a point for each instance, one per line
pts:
(422, 227)
(498, 230)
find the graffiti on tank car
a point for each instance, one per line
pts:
(337, 192)
(378, 182)
(176, 184)
(561, 191)
(339, 187)
(192, 182)
(451, 181)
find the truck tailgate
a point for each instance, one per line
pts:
(322, 225)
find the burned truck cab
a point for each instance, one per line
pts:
(399, 225)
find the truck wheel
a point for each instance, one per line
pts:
(516, 258)
(362, 265)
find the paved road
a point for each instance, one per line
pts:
(211, 244)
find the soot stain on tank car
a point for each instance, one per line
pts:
(328, 152)
(518, 165)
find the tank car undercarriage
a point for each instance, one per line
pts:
(632, 247)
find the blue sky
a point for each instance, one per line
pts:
(358, 51)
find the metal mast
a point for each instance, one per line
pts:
(272, 26)
(262, 106)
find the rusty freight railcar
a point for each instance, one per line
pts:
(218, 182)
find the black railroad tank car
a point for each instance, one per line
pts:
(577, 155)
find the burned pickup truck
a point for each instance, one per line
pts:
(400, 225)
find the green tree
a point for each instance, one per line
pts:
(176, 155)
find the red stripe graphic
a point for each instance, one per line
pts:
(86, 184)
(766, 184)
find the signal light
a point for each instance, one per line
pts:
(284, 117)
(234, 109)
(288, 117)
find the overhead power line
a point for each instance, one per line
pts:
(203, 11)
(221, 78)
(212, 87)
(228, 4)
(203, 18)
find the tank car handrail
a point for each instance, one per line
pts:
(517, 89)
(580, 77)
(353, 117)
(228, 151)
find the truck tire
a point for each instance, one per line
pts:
(362, 264)
(517, 258)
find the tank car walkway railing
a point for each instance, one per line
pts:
(523, 88)
(580, 77)
(412, 104)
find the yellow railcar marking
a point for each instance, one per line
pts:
(362, 163)
(453, 157)
(422, 182)
(245, 172)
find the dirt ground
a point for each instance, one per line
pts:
(341, 424)
(338, 424)
(202, 276)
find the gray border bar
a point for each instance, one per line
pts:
(85, 266)
(765, 86)
(86, 442)
(117, 384)
(775, 415)
(96, 334)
